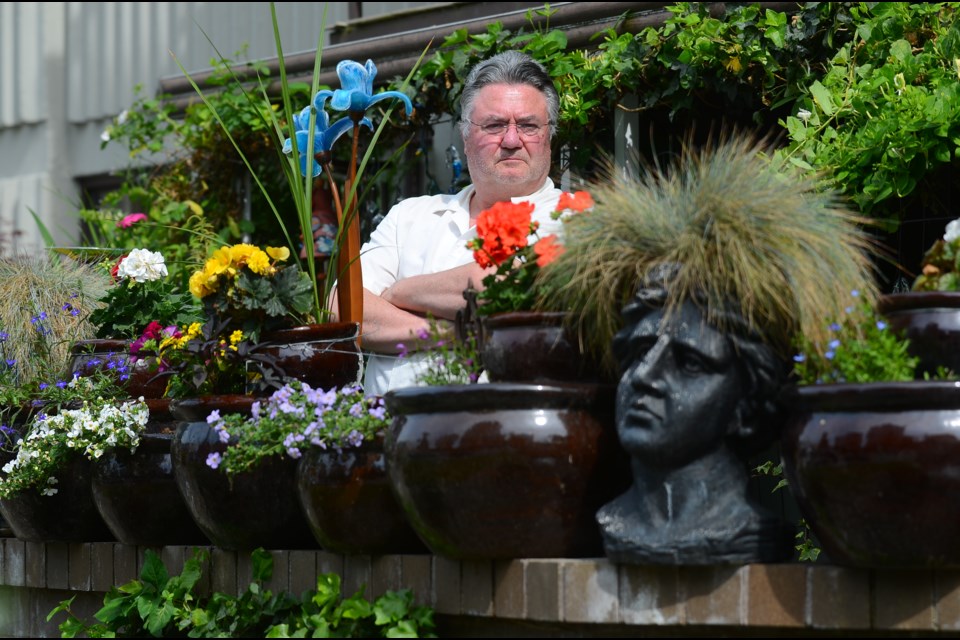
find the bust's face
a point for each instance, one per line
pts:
(679, 390)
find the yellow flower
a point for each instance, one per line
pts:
(236, 336)
(199, 284)
(259, 263)
(278, 253)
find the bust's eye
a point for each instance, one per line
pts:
(692, 362)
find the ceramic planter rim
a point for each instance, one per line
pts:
(910, 300)
(874, 396)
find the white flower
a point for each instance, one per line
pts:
(142, 265)
(804, 114)
(952, 232)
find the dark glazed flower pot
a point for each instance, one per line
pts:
(137, 494)
(532, 346)
(322, 355)
(69, 515)
(875, 469)
(931, 320)
(258, 508)
(496, 471)
(349, 502)
(86, 353)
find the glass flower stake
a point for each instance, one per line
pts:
(355, 97)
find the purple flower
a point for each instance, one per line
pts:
(214, 460)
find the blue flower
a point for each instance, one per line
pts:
(324, 135)
(356, 96)
(800, 357)
(881, 325)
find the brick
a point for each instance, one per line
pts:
(385, 575)
(446, 585)
(223, 572)
(80, 569)
(36, 571)
(329, 563)
(542, 590)
(649, 595)
(303, 572)
(590, 591)
(101, 566)
(280, 580)
(947, 590)
(476, 587)
(776, 595)
(356, 575)
(903, 599)
(417, 575)
(508, 594)
(14, 562)
(711, 595)
(838, 597)
(124, 563)
(57, 567)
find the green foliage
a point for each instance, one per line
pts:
(294, 417)
(860, 348)
(159, 605)
(806, 547)
(886, 112)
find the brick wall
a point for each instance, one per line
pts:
(517, 598)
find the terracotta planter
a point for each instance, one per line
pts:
(87, 353)
(875, 469)
(530, 346)
(259, 508)
(931, 320)
(137, 494)
(70, 515)
(349, 503)
(322, 355)
(503, 470)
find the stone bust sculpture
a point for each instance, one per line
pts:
(693, 401)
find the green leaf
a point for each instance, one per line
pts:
(823, 98)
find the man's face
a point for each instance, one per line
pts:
(511, 159)
(678, 394)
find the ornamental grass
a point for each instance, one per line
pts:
(751, 236)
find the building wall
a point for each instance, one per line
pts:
(68, 68)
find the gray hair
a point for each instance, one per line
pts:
(509, 67)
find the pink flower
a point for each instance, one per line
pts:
(131, 219)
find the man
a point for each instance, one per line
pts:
(416, 265)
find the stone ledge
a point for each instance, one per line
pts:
(530, 596)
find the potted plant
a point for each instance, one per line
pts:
(927, 314)
(517, 343)
(691, 282)
(142, 295)
(327, 445)
(868, 446)
(45, 488)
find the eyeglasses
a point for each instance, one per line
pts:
(526, 130)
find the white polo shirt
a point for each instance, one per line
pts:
(421, 235)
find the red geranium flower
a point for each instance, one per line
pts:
(547, 250)
(502, 230)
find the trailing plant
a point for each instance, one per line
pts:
(160, 605)
(295, 417)
(454, 357)
(860, 347)
(940, 268)
(52, 441)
